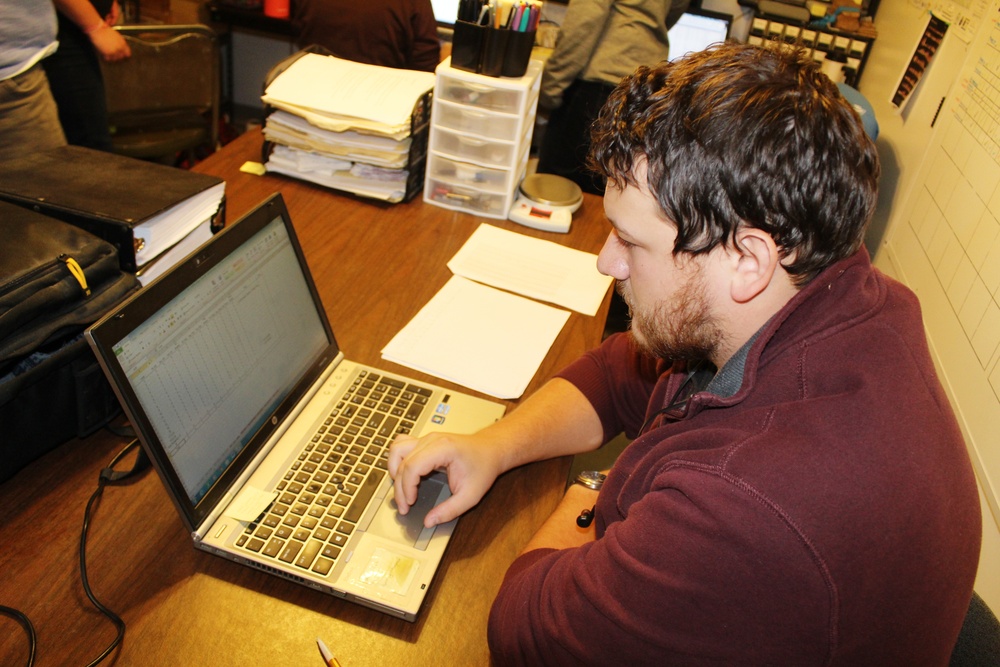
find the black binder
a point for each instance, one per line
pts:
(106, 194)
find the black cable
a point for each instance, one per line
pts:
(108, 475)
(21, 618)
(119, 624)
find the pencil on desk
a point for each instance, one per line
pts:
(327, 656)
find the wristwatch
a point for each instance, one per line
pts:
(592, 479)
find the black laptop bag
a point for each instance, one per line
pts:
(55, 281)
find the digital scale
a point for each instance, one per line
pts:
(546, 202)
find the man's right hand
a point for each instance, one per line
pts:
(557, 420)
(470, 464)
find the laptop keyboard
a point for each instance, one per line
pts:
(325, 492)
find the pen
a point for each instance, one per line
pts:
(327, 656)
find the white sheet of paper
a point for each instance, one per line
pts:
(479, 337)
(539, 269)
(336, 86)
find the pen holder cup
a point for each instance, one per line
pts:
(467, 46)
(518, 53)
(494, 51)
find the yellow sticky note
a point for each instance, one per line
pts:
(255, 168)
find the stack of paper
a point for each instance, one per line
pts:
(166, 229)
(295, 131)
(344, 125)
(480, 337)
(490, 340)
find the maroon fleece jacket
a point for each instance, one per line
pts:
(825, 514)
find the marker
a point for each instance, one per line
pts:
(516, 21)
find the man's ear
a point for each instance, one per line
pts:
(756, 259)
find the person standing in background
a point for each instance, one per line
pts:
(600, 42)
(28, 116)
(390, 33)
(74, 71)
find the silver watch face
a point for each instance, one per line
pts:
(591, 478)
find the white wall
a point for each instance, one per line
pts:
(903, 139)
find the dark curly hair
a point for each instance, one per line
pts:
(743, 135)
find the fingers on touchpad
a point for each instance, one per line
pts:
(409, 528)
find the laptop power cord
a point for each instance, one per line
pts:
(108, 475)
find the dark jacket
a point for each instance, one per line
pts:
(390, 33)
(825, 514)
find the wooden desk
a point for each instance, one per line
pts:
(186, 607)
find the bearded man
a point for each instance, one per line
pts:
(797, 490)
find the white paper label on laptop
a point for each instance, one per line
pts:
(249, 504)
(388, 571)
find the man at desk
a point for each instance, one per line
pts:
(797, 491)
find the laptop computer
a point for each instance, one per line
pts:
(270, 442)
(696, 30)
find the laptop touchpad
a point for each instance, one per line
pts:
(409, 529)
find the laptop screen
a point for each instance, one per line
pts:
(696, 30)
(216, 360)
(210, 359)
(445, 11)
